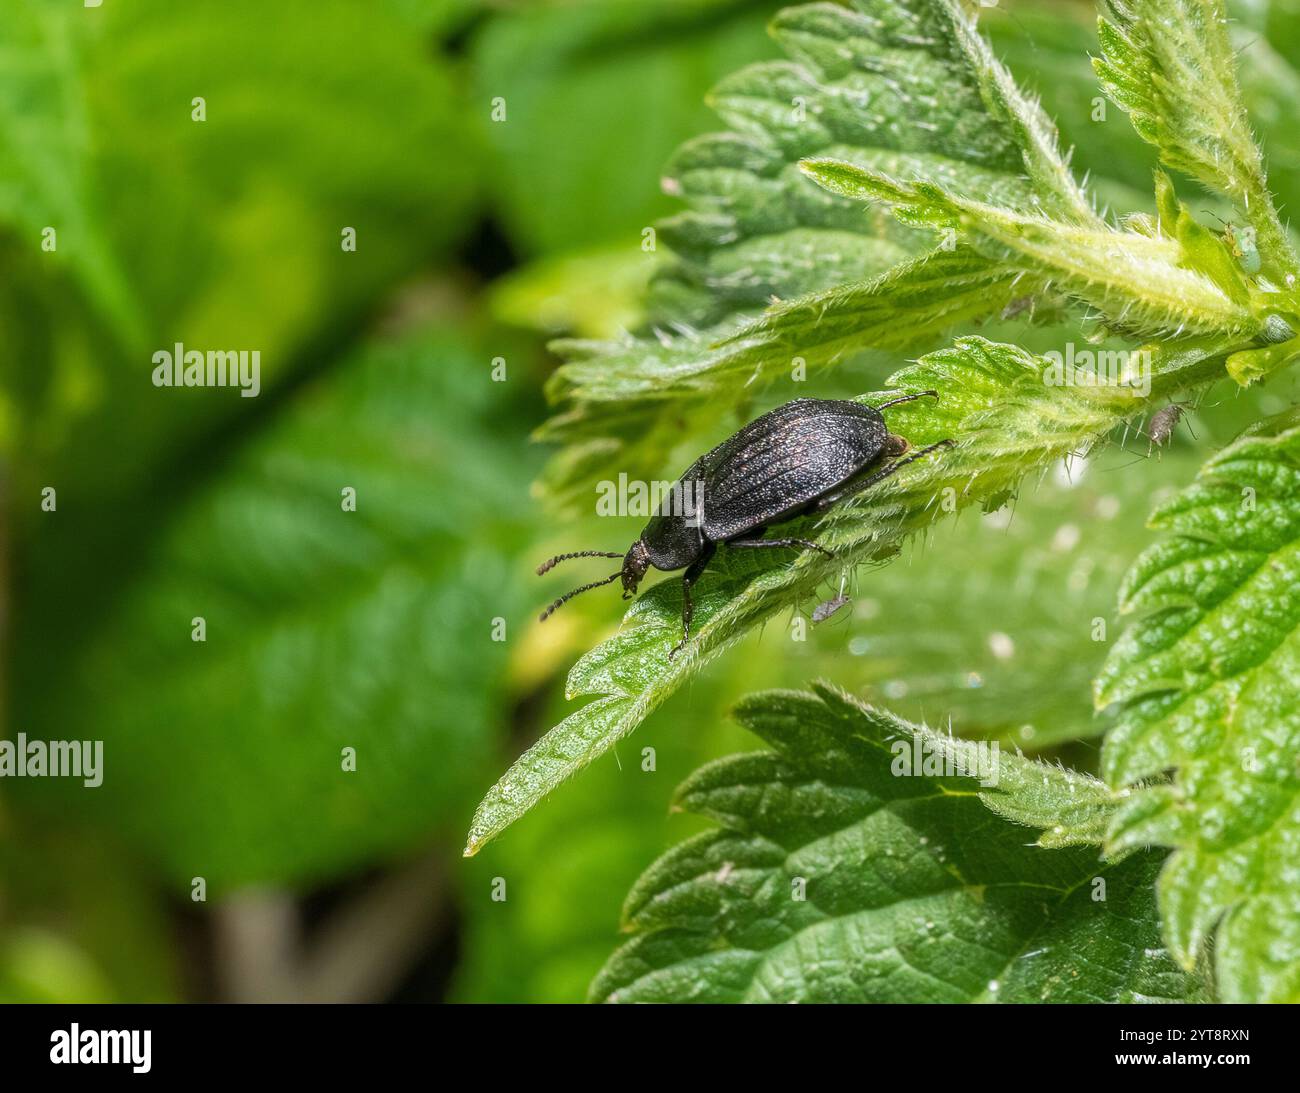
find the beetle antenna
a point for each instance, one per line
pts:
(569, 595)
(551, 563)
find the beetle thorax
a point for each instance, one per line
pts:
(635, 564)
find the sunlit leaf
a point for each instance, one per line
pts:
(902, 87)
(842, 873)
(1205, 682)
(1008, 416)
(1171, 65)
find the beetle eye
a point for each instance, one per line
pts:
(896, 445)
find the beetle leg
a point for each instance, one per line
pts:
(807, 544)
(879, 476)
(907, 398)
(691, 575)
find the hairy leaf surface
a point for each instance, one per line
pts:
(841, 873)
(1008, 412)
(905, 88)
(1205, 682)
(1172, 66)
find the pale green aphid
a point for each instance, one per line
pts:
(1241, 242)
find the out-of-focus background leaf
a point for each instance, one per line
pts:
(595, 95)
(217, 233)
(477, 240)
(325, 629)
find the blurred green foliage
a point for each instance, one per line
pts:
(596, 95)
(223, 232)
(372, 629)
(325, 629)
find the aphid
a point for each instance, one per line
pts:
(1163, 423)
(1017, 306)
(1241, 244)
(824, 611)
(1160, 430)
(1241, 241)
(798, 459)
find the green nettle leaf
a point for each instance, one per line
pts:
(1011, 223)
(1205, 684)
(903, 88)
(996, 622)
(842, 872)
(1008, 413)
(1138, 281)
(1171, 66)
(898, 103)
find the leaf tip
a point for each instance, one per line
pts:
(816, 167)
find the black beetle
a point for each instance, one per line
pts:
(800, 458)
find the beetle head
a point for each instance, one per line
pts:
(634, 567)
(895, 445)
